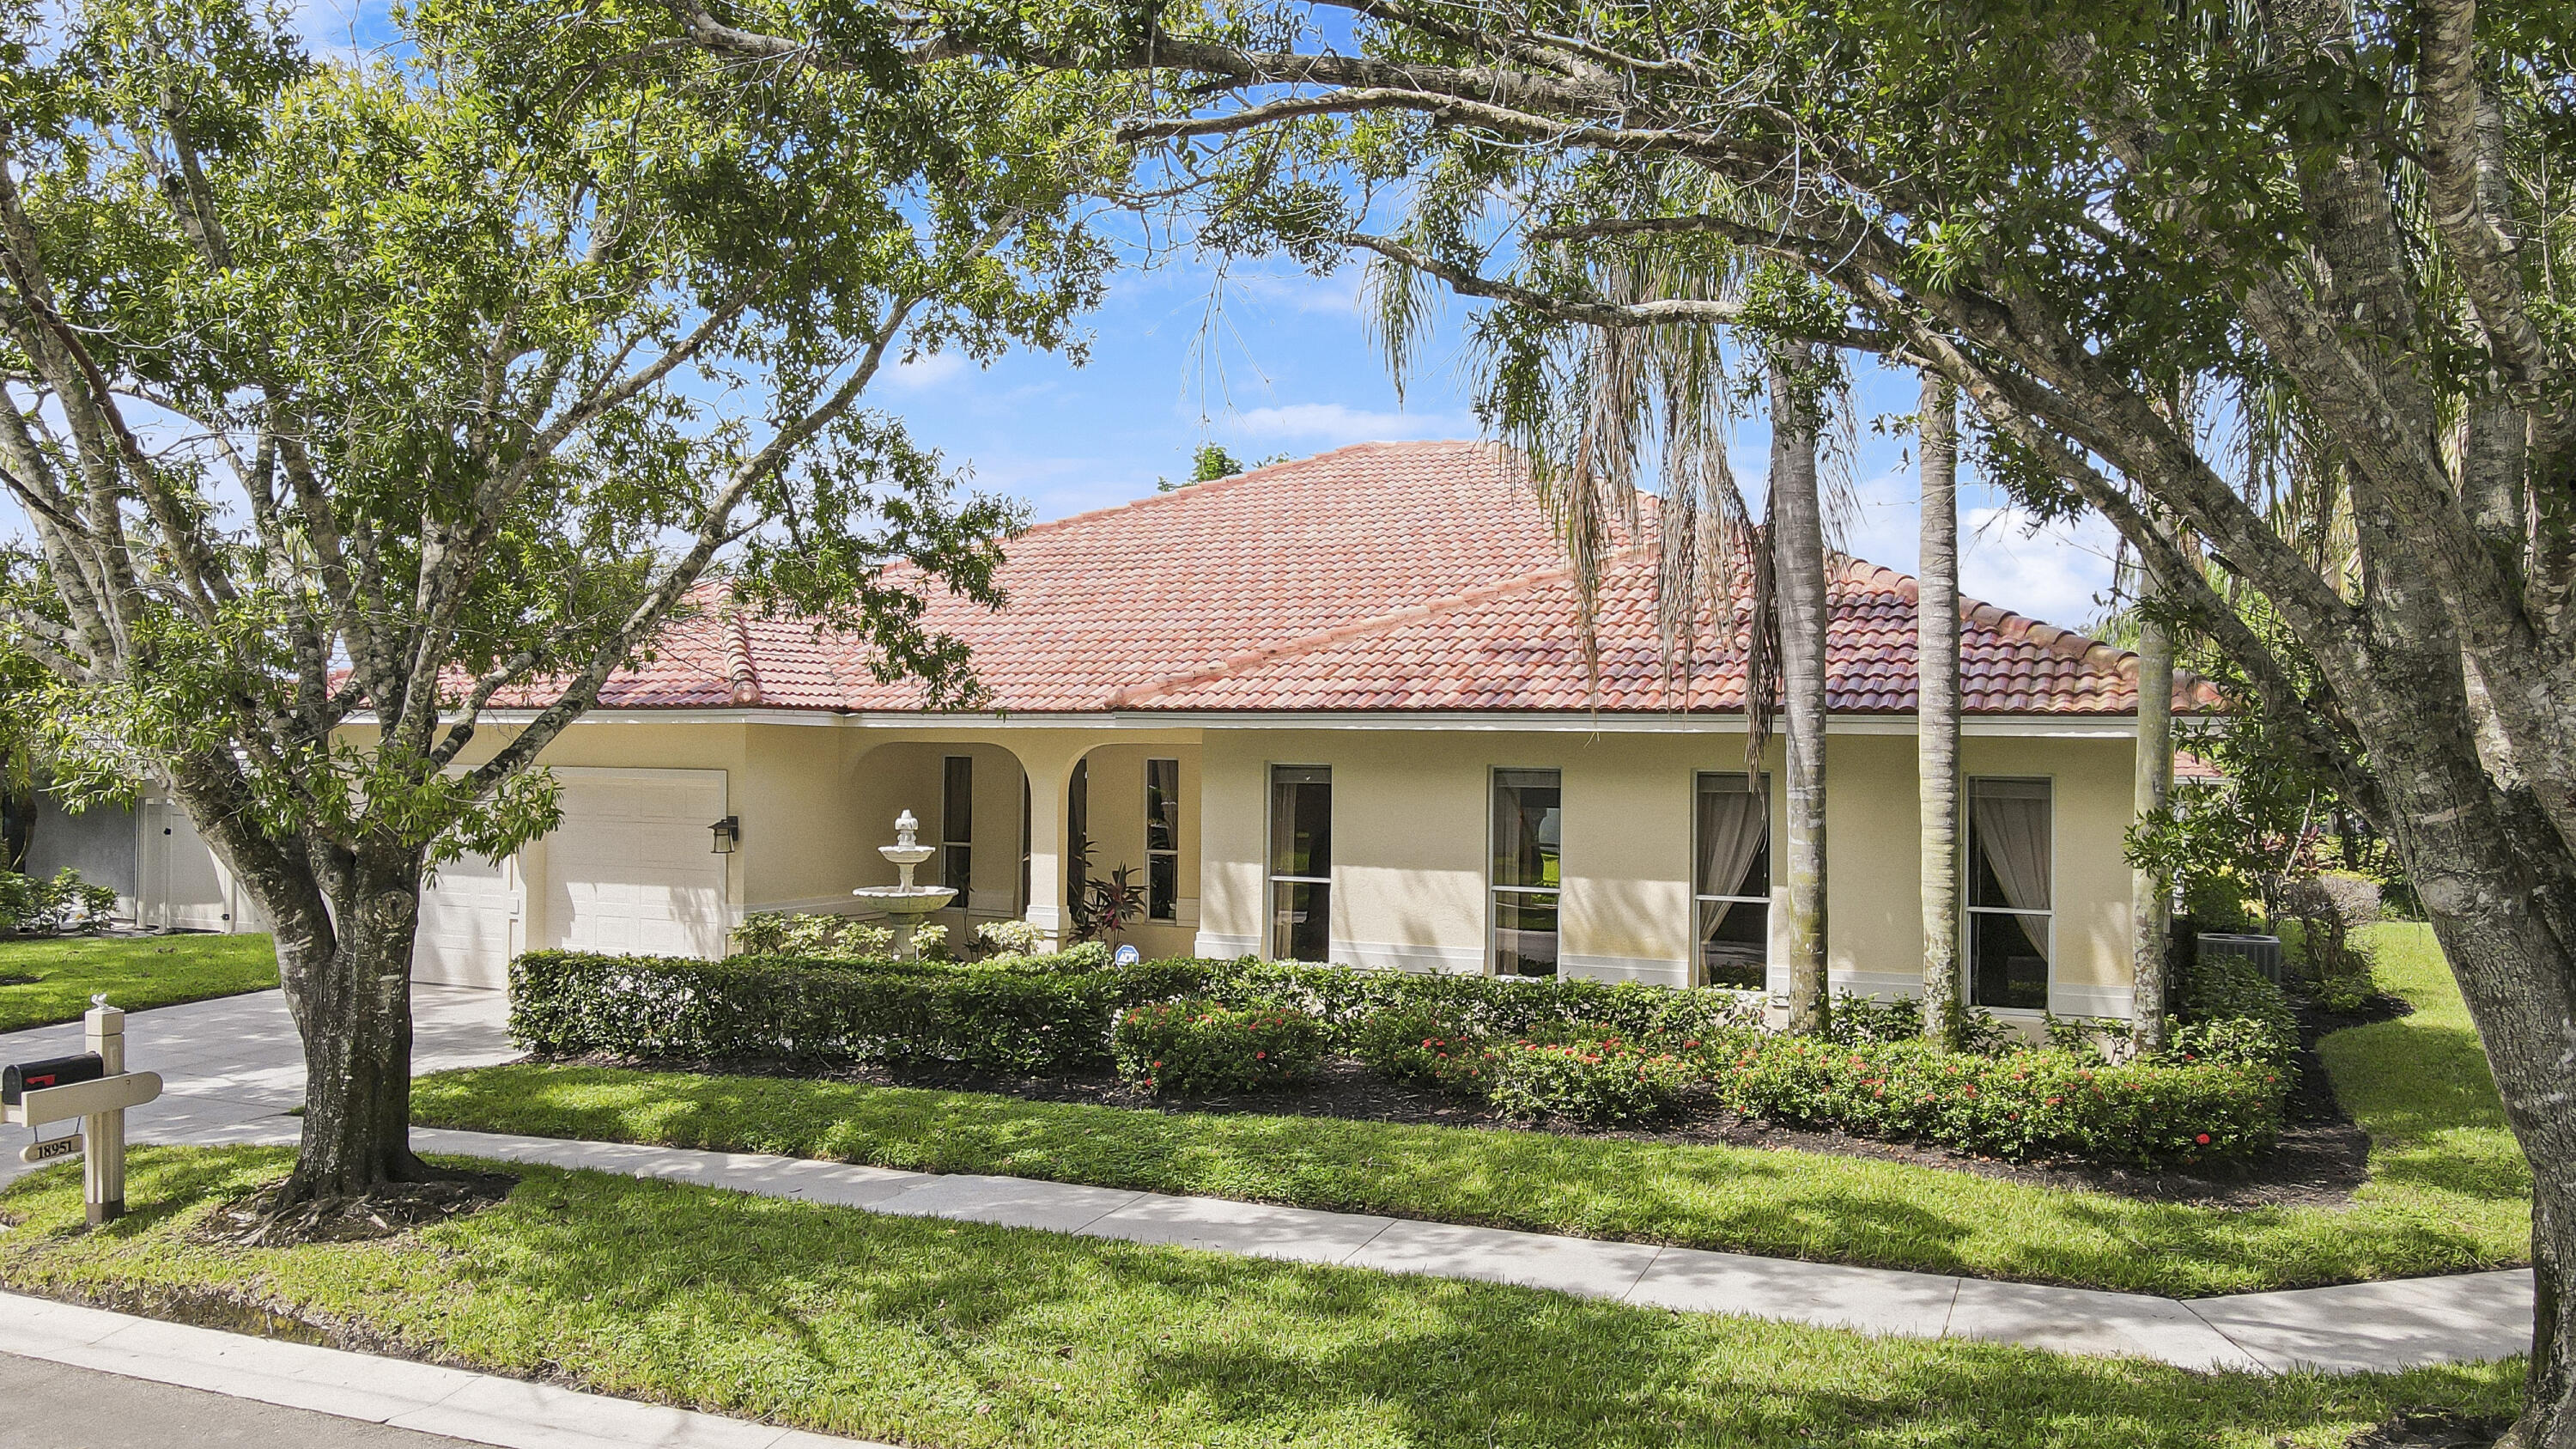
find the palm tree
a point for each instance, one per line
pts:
(2151, 911)
(1936, 710)
(1797, 546)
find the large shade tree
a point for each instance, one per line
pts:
(345, 400)
(2342, 231)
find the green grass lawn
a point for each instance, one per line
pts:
(956, 1335)
(136, 972)
(2448, 1188)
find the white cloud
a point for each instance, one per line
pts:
(926, 370)
(1332, 425)
(2057, 574)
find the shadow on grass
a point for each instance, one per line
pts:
(1775, 1202)
(959, 1334)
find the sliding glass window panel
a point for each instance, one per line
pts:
(1301, 918)
(957, 825)
(1731, 879)
(1301, 862)
(1301, 821)
(1528, 873)
(2011, 865)
(1162, 839)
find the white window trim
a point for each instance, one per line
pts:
(1269, 862)
(1968, 910)
(1760, 781)
(1493, 918)
(1146, 785)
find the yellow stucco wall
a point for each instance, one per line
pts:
(1410, 828)
(1410, 832)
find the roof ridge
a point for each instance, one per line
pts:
(1228, 484)
(742, 672)
(1128, 695)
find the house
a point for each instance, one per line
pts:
(1336, 709)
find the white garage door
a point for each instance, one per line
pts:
(466, 918)
(630, 871)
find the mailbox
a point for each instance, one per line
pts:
(20, 1078)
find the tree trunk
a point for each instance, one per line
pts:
(2150, 894)
(1797, 541)
(352, 1003)
(346, 970)
(1936, 710)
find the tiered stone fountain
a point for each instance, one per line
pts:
(905, 903)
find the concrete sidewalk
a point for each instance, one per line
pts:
(233, 1068)
(439, 1406)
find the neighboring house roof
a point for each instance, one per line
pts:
(1386, 576)
(2192, 769)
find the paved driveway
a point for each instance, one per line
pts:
(233, 1068)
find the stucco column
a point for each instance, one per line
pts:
(1049, 761)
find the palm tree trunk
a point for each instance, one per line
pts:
(2150, 894)
(1936, 711)
(1797, 542)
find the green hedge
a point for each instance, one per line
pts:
(1202, 1049)
(2034, 1102)
(1013, 1014)
(1029, 1014)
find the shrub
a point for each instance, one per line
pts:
(1025, 1015)
(1009, 938)
(1345, 998)
(1202, 1049)
(1594, 1077)
(811, 937)
(48, 907)
(1409, 1044)
(2029, 1103)
(2233, 1013)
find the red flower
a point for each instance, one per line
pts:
(1256, 1056)
(2202, 1139)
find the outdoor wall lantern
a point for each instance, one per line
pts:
(728, 834)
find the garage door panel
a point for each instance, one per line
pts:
(466, 917)
(630, 870)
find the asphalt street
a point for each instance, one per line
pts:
(51, 1406)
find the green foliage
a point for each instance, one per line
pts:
(2234, 1013)
(1593, 1076)
(1208, 464)
(1009, 938)
(811, 936)
(1413, 1043)
(1346, 998)
(1026, 1015)
(483, 363)
(1197, 1048)
(46, 907)
(2038, 1102)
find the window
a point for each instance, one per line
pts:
(2009, 863)
(1301, 862)
(1529, 826)
(1162, 839)
(1731, 879)
(957, 825)
(1028, 805)
(1077, 831)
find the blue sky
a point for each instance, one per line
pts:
(1268, 360)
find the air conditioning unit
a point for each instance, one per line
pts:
(2262, 952)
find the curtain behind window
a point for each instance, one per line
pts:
(2011, 819)
(1732, 827)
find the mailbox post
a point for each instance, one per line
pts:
(103, 1159)
(96, 1097)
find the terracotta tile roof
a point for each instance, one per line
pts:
(1515, 646)
(1387, 576)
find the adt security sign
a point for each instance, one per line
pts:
(1127, 956)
